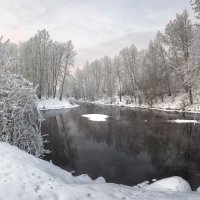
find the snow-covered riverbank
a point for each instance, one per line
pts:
(52, 104)
(23, 176)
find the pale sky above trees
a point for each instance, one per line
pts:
(96, 27)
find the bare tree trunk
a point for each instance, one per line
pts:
(63, 81)
(191, 97)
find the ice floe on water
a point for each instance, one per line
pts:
(96, 117)
(184, 121)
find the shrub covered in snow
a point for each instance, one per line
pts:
(20, 120)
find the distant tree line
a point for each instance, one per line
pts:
(169, 66)
(44, 62)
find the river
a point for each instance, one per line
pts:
(132, 146)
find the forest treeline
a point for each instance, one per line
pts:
(44, 62)
(169, 66)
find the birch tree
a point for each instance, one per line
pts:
(68, 61)
(178, 37)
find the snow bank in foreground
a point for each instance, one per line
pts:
(175, 184)
(51, 104)
(23, 176)
(96, 117)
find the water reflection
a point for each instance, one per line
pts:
(131, 147)
(63, 150)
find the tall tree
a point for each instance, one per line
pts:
(178, 37)
(68, 61)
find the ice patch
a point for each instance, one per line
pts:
(182, 121)
(96, 117)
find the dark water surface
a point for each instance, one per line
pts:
(131, 147)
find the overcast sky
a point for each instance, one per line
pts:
(96, 27)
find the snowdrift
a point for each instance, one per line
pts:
(23, 176)
(53, 104)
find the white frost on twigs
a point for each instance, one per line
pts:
(20, 120)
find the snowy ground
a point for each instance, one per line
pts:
(170, 104)
(23, 176)
(51, 104)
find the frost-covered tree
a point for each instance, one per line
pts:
(118, 71)
(45, 63)
(143, 76)
(192, 67)
(68, 61)
(178, 37)
(20, 120)
(2, 51)
(129, 59)
(196, 7)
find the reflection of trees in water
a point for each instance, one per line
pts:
(171, 147)
(63, 149)
(69, 147)
(127, 136)
(174, 151)
(165, 148)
